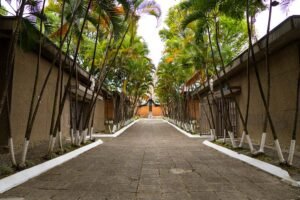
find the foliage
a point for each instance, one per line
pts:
(3, 12)
(132, 73)
(131, 64)
(187, 45)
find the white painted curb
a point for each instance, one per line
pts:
(16, 179)
(187, 133)
(271, 169)
(116, 134)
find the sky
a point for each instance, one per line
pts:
(149, 30)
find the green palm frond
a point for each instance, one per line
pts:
(185, 5)
(191, 18)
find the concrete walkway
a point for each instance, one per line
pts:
(152, 160)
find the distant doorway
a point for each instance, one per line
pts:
(150, 108)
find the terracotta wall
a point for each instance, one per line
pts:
(143, 111)
(156, 111)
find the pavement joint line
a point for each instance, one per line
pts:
(264, 166)
(18, 178)
(116, 134)
(187, 133)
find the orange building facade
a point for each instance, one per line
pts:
(143, 111)
(149, 109)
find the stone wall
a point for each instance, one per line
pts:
(22, 88)
(284, 71)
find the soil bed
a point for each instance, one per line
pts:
(36, 155)
(268, 157)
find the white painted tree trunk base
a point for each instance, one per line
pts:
(279, 152)
(249, 141)
(262, 143)
(291, 152)
(231, 135)
(72, 136)
(52, 145)
(114, 129)
(24, 153)
(109, 128)
(12, 151)
(193, 129)
(242, 139)
(213, 134)
(91, 133)
(84, 134)
(186, 127)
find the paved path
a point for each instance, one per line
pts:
(152, 160)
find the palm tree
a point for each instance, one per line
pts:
(35, 106)
(268, 92)
(11, 53)
(26, 14)
(109, 6)
(207, 14)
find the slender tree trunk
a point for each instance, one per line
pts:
(68, 85)
(228, 128)
(274, 134)
(85, 129)
(267, 62)
(58, 84)
(11, 56)
(37, 105)
(245, 131)
(248, 100)
(27, 134)
(248, 94)
(91, 132)
(71, 119)
(294, 132)
(10, 137)
(103, 75)
(213, 129)
(89, 77)
(60, 99)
